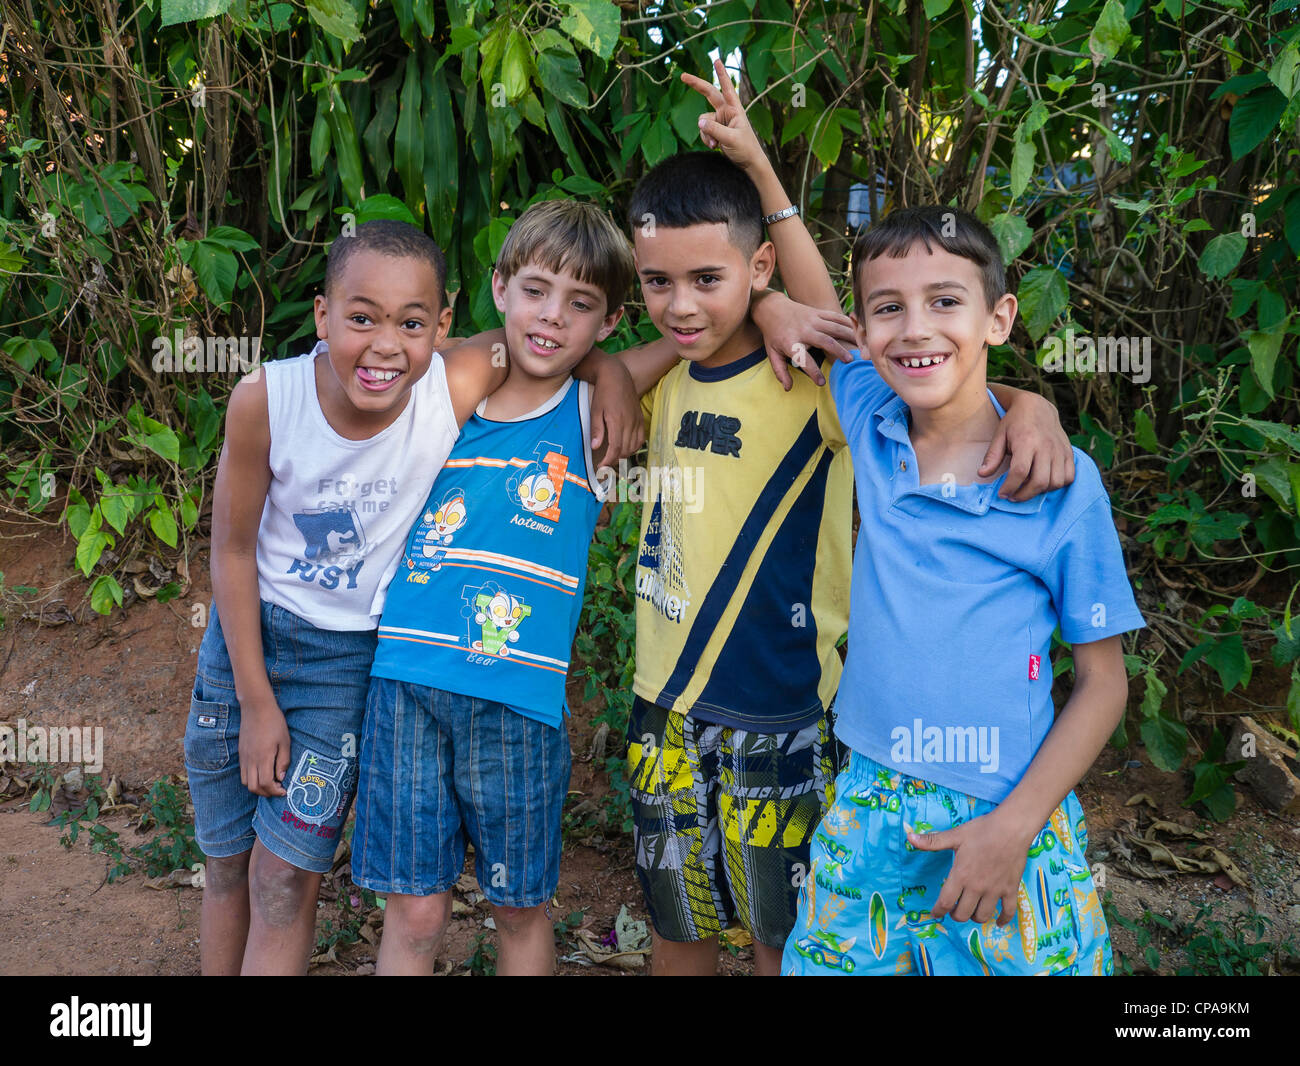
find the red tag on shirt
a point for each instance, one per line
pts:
(1034, 662)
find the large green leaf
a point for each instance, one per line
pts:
(594, 24)
(559, 72)
(408, 147)
(1043, 295)
(1254, 117)
(347, 152)
(175, 11)
(441, 159)
(1012, 233)
(336, 17)
(1222, 255)
(1264, 347)
(1109, 33)
(1166, 742)
(1022, 165)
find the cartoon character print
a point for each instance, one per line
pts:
(330, 534)
(537, 487)
(436, 530)
(498, 615)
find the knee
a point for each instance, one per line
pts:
(225, 876)
(516, 921)
(279, 890)
(418, 920)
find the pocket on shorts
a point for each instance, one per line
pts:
(207, 741)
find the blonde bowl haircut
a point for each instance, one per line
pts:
(572, 237)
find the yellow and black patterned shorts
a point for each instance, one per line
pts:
(723, 819)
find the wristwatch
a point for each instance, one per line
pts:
(793, 209)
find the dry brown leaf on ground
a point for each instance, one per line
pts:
(737, 937)
(175, 879)
(1223, 863)
(1174, 829)
(589, 945)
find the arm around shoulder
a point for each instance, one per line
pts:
(475, 369)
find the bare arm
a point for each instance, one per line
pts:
(648, 362)
(475, 368)
(618, 383)
(243, 478)
(1041, 457)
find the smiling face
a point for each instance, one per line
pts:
(382, 320)
(552, 319)
(925, 322)
(697, 286)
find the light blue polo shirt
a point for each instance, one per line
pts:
(955, 596)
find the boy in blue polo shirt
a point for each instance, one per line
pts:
(956, 815)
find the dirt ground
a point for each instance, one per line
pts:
(131, 673)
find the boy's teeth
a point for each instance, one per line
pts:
(381, 375)
(542, 342)
(924, 361)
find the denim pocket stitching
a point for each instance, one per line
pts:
(205, 739)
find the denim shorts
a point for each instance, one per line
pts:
(319, 678)
(865, 906)
(438, 767)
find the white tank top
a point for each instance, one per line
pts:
(338, 510)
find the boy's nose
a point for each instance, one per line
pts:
(916, 327)
(680, 304)
(386, 342)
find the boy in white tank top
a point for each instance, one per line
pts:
(326, 462)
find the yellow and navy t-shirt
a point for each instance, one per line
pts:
(742, 578)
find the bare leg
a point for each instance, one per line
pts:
(282, 919)
(223, 917)
(698, 958)
(413, 928)
(767, 960)
(527, 941)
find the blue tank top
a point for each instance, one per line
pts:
(487, 597)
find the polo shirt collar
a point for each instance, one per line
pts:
(892, 421)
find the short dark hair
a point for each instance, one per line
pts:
(400, 240)
(956, 231)
(691, 188)
(575, 237)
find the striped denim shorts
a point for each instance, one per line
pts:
(438, 768)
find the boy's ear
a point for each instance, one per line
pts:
(444, 326)
(321, 310)
(860, 335)
(498, 291)
(761, 265)
(609, 322)
(1004, 317)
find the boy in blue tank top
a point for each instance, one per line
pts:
(464, 734)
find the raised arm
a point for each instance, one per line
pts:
(802, 268)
